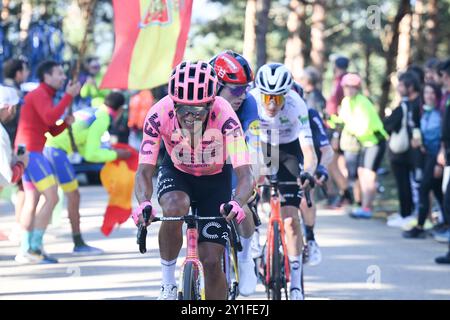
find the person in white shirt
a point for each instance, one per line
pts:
(288, 151)
(11, 166)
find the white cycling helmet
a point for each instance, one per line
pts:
(274, 78)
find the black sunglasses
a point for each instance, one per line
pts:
(197, 112)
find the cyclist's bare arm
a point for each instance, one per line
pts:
(309, 158)
(327, 155)
(143, 183)
(245, 184)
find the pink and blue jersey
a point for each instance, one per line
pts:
(221, 139)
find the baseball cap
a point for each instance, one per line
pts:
(8, 97)
(342, 62)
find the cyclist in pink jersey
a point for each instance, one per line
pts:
(200, 132)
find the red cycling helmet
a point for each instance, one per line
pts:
(232, 68)
(193, 83)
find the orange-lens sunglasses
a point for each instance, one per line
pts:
(277, 99)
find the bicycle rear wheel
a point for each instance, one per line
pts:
(190, 283)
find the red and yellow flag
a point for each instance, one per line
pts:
(150, 37)
(117, 178)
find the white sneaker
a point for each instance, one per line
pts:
(247, 277)
(400, 222)
(15, 234)
(296, 294)
(26, 258)
(410, 222)
(314, 253)
(168, 292)
(255, 247)
(394, 216)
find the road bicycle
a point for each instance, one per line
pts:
(192, 280)
(273, 266)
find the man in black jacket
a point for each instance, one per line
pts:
(403, 164)
(444, 156)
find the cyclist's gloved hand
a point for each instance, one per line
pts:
(236, 211)
(304, 177)
(137, 213)
(321, 174)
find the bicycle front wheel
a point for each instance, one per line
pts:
(190, 289)
(276, 283)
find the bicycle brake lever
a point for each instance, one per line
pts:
(227, 208)
(142, 231)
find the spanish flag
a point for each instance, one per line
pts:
(150, 38)
(117, 178)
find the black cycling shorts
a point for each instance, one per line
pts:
(209, 192)
(290, 158)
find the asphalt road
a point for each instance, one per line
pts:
(361, 260)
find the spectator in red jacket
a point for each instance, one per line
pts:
(336, 167)
(39, 115)
(337, 93)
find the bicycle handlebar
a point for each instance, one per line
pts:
(291, 183)
(184, 218)
(307, 193)
(142, 228)
(237, 240)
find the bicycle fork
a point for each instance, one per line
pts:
(192, 256)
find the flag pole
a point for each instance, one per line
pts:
(90, 19)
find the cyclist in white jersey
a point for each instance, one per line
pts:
(285, 133)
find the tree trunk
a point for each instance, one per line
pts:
(294, 59)
(317, 35)
(391, 54)
(417, 31)
(250, 32)
(4, 10)
(367, 53)
(431, 24)
(262, 26)
(404, 43)
(25, 19)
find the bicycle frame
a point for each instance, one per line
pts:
(275, 216)
(192, 255)
(192, 245)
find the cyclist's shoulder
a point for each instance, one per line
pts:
(295, 104)
(255, 93)
(163, 109)
(249, 100)
(223, 116)
(249, 108)
(313, 113)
